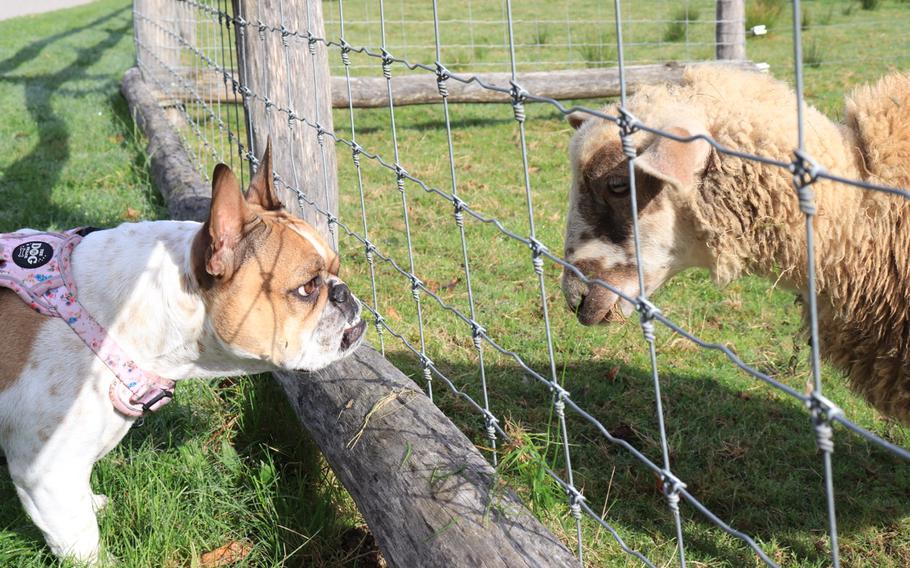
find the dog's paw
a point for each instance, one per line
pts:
(99, 502)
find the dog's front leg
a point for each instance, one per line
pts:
(62, 506)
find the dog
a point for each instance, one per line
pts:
(252, 289)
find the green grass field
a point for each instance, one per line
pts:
(227, 463)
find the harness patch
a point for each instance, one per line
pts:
(33, 254)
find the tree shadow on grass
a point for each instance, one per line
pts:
(749, 456)
(26, 184)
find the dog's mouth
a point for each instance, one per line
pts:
(352, 335)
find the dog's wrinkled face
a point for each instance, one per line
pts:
(599, 236)
(269, 281)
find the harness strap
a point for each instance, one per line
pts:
(44, 280)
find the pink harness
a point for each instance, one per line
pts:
(37, 266)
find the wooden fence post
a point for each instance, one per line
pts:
(730, 34)
(280, 66)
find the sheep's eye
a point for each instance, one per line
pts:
(309, 288)
(618, 185)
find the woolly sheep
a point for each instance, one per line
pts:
(698, 207)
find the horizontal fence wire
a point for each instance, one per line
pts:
(222, 135)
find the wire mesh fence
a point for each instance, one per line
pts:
(187, 50)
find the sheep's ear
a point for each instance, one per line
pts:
(678, 163)
(577, 118)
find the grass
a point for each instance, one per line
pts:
(764, 12)
(227, 463)
(679, 26)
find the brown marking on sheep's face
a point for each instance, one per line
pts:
(599, 236)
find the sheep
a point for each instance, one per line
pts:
(698, 207)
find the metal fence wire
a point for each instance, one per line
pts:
(192, 58)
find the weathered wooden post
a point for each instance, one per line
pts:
(293, 74)
(730, 33)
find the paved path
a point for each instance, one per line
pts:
(13, 8)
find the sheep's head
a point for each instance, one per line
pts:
(599, 236)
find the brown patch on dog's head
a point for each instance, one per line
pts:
(268, 278)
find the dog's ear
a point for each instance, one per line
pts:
(262, 186)
(227, 217)
(678, 163)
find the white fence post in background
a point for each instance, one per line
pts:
(731, 29)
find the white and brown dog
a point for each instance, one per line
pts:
(252, 289)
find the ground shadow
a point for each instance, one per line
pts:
(29, 180)
(749, 456)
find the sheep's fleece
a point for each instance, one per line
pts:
(737, 216)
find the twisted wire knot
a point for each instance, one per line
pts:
(284, 35)
(269, 103)
(575, 500)
(823, 412)
(561, 395)
(628, 125)
(477, 332)
(805, 172)
(320, 134)
(260, 25)
(345, 54)
(490, 423)
(671, 487)
(292, 116)
(519, 95)
(537, 249)
(442, 75)
(240, 22)
(400, 174)
(459, 210)
(311, 43)
(386, 64)
(646, 309)
(427, 375)
(415, 287)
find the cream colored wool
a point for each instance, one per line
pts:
(748, 213)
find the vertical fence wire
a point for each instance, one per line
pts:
(400, 176)
(345, 52)
(171, 59)
(559, 393)
(803, 178)
(646, 310)
(442, 76)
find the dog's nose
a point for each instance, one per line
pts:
(340, 293)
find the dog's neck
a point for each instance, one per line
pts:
(137, 281)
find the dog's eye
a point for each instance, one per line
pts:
(309, 288)
(618, 185)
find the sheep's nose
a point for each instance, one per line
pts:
(340, 294)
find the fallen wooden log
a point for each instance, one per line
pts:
(418, 89)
